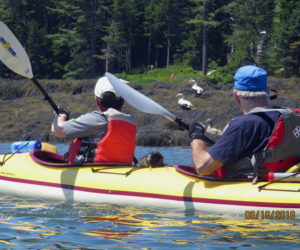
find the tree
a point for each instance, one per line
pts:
(149, 27)
(124, 28)
(250, 18)
(284, 47)
(83, 39)
(160, 29)
(75, 38)
(203, 40)
(29, 21)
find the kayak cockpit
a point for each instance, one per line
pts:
(191, 171)
(48, 158)
(57, 160)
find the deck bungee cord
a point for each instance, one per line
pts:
(263, 187)
(4, 159)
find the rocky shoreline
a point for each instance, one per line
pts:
(26, 116)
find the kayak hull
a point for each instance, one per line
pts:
(159, 187)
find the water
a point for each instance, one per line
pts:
(41, 225)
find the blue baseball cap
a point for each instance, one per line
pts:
(250, 78)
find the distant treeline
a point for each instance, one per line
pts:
(84, 38)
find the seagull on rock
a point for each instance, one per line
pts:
(197, 89)
(184, 104)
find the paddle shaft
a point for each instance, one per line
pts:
(45, 94)
(14, 56)
(185, 126)
(144, 103)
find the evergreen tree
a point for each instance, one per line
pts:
(29, 21)
(284, 49)
(251, 17)
(204, 25)
(66, 40)
(83, 39)
(160, 29)
(74, 42)
(149, 28)
(123, 31)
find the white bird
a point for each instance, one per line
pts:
(197, 89)
(211, 130)
(184, 104)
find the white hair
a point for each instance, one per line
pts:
(252, 99)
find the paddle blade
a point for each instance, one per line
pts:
(137, 99)
(12, 54)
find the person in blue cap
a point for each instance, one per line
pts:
(245, 136)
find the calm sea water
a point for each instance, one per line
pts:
(32, 224)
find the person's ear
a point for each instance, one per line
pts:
(237, 99)
(98, 101)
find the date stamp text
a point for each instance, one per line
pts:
(270, 214)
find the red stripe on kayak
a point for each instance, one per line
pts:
(156, 196)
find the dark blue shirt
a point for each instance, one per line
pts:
(244, 136)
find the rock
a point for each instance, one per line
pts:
(26, 116)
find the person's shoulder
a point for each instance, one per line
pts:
(255, 120)
(111, 112)
(245, 121)
(130, 117)
(241, 119)
(271, 113)
(95, 115)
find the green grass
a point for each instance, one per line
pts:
(181, 72)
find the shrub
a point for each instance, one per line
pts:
(181, 72)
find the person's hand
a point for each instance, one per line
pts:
(197, 131)
(64, 110)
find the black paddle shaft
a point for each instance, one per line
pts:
(185, 126)
(45, 94)
(181, 124)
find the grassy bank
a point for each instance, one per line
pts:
(181, 72)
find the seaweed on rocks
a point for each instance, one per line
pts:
(25, 115)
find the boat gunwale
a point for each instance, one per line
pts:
(36, 156)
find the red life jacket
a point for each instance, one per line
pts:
(277, 140)
(277, 160)
(117, 146)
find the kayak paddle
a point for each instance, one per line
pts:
(13, 55)
(144, 103)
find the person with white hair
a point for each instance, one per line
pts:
(260, 141)
(104, 136)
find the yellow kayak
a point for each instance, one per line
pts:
(43, 175)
